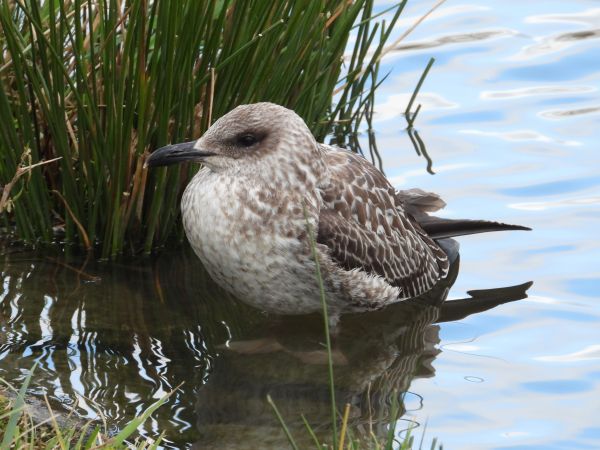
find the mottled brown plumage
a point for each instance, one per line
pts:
(266, 180)
(364, 225)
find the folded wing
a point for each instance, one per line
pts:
(364, 226)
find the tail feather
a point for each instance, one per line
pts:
(439, 228)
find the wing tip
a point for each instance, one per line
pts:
(438, 228)
(510, 226)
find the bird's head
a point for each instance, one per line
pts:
(248, 134)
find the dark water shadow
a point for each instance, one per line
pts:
(111, 338)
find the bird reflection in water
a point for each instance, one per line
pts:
(111, 338)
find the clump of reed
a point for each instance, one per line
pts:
(90, 87)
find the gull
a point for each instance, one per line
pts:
(269, 195)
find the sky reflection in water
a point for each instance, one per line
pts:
(519, 156)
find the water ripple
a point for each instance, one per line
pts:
(461, 38)
(557, 386)
(591, 352)
(395, 105)
(521, 135)
(537, 90)
(541, 206)
(562, 113)
(553, 187)
(590, 17)
(557, 42)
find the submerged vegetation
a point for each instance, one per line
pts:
(89, 88)
(19, 430)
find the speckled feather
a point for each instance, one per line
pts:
(245, 214)
(365, 226)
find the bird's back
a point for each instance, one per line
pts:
(365, 226)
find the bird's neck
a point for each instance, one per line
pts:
(277, 174)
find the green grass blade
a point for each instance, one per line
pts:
(407, 113)
(282, 423)
(313, 248)
(11, 431)
(311, 432)
(133, 425)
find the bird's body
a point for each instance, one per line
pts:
(266, 183)
(248, 251)
(252, 237)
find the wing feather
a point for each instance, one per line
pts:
(364, 225)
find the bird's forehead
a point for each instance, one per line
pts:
(259, 116)
(242, 120)
(232, 125)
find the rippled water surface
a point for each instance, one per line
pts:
(511, 120)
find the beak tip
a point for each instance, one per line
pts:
(172, 154)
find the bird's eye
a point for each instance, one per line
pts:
(247, 140)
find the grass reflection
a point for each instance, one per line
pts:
(115, 337)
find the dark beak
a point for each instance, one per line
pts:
(177, 153)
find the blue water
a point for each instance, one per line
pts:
(511, 119)
(513, 127)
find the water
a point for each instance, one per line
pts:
(510, 117)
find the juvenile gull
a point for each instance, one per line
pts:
(264, 177)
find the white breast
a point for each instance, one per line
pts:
(245, 248)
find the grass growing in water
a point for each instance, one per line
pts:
(18, 430)
(99, 84)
